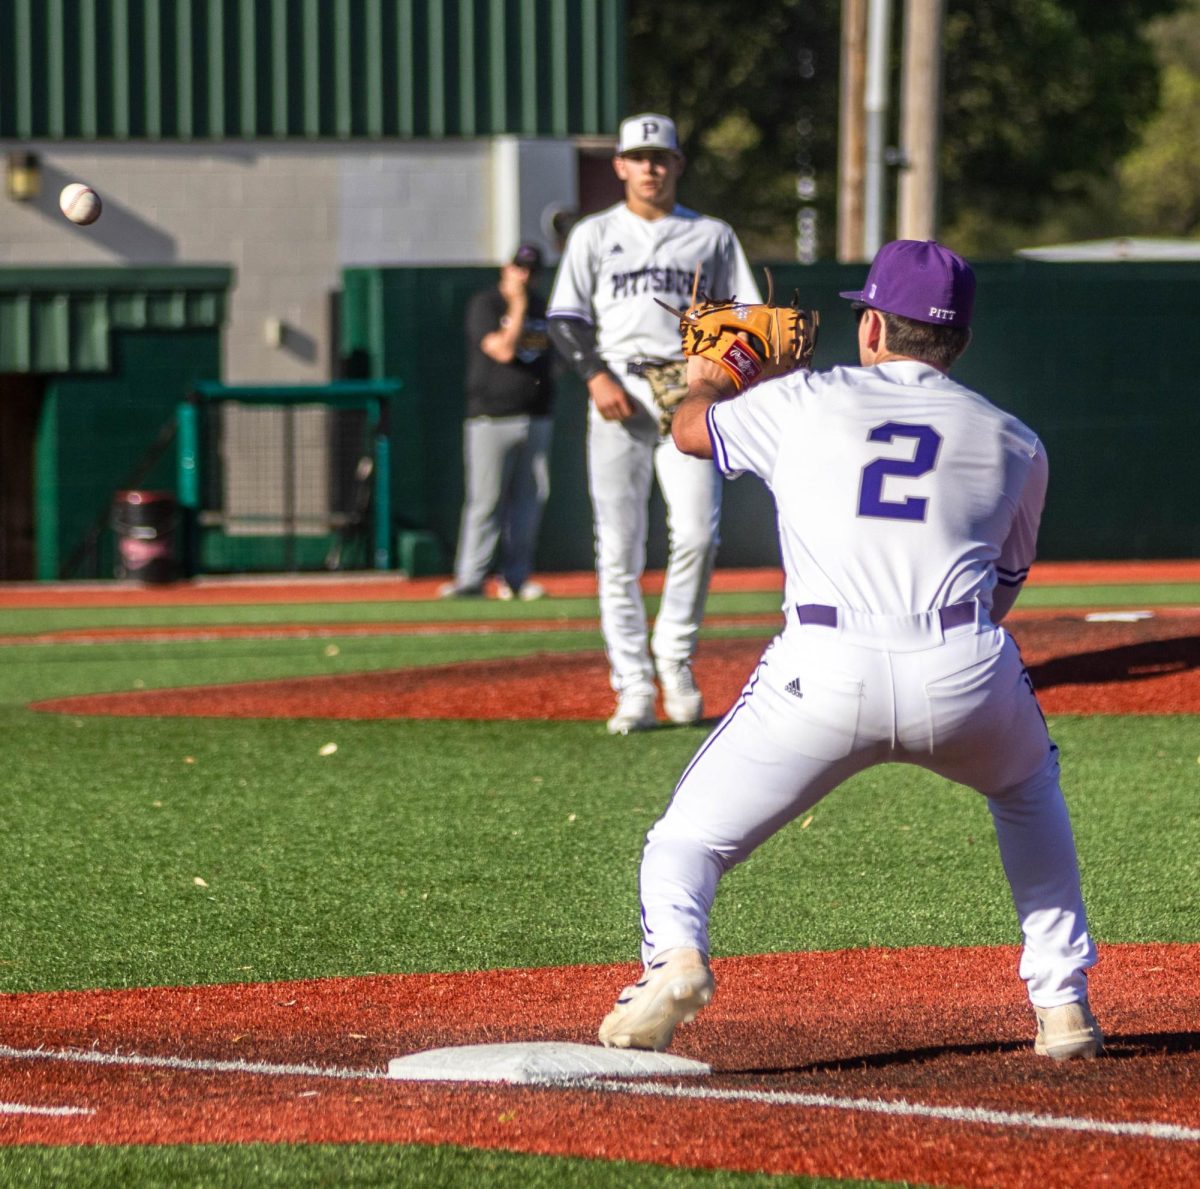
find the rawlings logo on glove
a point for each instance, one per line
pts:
(750, 342)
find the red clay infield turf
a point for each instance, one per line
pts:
(808, 1052)
(1146, 666)
(910, 1065)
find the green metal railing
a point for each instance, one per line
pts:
(374, 397)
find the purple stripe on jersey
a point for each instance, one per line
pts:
(568, 312)
(1011, 577)
(719, 452)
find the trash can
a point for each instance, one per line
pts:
(145, 524)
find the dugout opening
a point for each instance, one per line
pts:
(20, 406)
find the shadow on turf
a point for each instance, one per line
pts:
(1151, 1044)
(1129, 662)
(1119, 1048)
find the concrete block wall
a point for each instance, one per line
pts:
(288, 218)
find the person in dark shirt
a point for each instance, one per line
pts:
(506, 435)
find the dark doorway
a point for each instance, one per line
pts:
(20, 406)
(599, 186)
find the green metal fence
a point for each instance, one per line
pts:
(251, 69)
(1097, 358)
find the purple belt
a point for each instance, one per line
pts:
(820, 615)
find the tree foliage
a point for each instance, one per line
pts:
(1160, 178)
(755, 100)
(1042, 99)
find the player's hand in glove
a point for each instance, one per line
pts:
(668, 386)
(749, 342)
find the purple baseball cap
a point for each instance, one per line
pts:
(922, 280)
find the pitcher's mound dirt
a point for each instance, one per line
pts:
(1146, 666)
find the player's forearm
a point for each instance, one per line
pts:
(689, 426)
(707, 384)
(575, 341)
(501, 345)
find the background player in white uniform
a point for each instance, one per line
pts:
(908, 514)
(606, 323)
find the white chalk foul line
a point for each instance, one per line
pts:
(24, 1108)
(899, 1108)
(902, 1108)
(189, 1064)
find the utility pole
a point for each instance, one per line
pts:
(920, 120)
(879, 28)
(806, 174)
(851, 128)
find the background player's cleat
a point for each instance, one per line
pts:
(673, 988)
(682, 699)
(449, 590)
(527, 592)
(635, 711)
(1067, 1031)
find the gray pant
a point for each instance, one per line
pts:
(506, 462)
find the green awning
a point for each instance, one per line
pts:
(60, 320)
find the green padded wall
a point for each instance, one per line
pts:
(96, 430)
(1097, 358)
(409, 322)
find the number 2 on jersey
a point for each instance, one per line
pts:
(870, 488)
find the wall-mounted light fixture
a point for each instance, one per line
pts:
(23, 177)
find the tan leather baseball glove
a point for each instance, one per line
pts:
(668, 386)
(751, 342)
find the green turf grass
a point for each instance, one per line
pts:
(42, 619)
(388, 854)
(363, 1164)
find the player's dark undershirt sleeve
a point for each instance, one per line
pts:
(575, 341)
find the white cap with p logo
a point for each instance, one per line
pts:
(647, 131)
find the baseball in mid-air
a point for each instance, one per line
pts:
(80, 203)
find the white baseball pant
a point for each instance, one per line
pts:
(623, 459)
(828, 702)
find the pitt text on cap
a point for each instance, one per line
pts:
(921, 280)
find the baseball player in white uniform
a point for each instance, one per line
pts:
(605, 321)
(908, 514)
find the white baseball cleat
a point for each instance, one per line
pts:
(635, 712)
(674, 987)
(531, 591)
(1067, 1031)
(682, 699)
(451, 590)
(527, 592)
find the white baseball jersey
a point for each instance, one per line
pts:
(901, 497)
(616, 263)
(898, 490)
